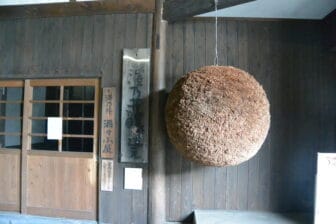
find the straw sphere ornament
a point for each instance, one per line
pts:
(217, 115)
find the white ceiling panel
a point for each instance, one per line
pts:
(282, 9)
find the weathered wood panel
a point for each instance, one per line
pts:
(74, 8)
(330, 30)
(89, 46)
(291, 62)
(288, 58)
(10, 180)
(61, 186)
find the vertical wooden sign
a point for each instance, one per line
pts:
(107, 175)
(135, 106)
(107, 140)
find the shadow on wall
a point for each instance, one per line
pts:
(289, 59)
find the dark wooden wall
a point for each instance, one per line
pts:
(330, 30)
(290, 60)
(88, 46)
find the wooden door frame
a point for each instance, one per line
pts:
(27, 125)
(13, 152)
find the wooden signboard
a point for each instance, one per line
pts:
(107, 141)
(135, 102)
(107, 175)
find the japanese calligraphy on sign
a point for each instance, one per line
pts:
(107, 175)
(134, 112)
(107, 141)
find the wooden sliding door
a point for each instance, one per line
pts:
(11, 101)
(54, 177)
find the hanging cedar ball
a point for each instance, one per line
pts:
(218, 116)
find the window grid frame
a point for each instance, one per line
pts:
(63, 83)
(12, 84)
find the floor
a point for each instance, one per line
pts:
(250, 217)
(17, 218)
(201, 217)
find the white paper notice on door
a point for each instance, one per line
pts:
(55, 125)
(133, 178)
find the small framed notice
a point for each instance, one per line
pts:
(107, 175)
(107, 141)
(55, 125)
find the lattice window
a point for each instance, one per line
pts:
(75, 101)
(11, 105)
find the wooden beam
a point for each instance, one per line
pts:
(330, 30)
(175, 10)
(157, 165)
(77, 8)
(26, 144)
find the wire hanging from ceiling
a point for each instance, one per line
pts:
(217, 115)
(216, 34)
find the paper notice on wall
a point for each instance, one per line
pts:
(326, 163)
(325, 197)
(133, 178)
(107, 175)
(55, 128)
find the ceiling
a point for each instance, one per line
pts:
(34, 2)
(279, 9)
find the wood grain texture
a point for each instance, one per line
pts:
(10, 180)
(82, 47)
(77, 8)
(330, 30)
(61, 184)
(288, 58)
(296, 70)
(232, 60)
(26, 143)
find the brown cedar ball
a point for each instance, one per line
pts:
(218, 116)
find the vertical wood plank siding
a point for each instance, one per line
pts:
(81, 46)
(290, 60)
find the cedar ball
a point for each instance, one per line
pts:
(217, 116)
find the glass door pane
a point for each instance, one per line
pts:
(11, 103)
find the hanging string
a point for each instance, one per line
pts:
(216, 35)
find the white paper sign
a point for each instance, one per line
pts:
(133, 178)
(107, 175)
(326, 163)
(325, 197)
(55, 125)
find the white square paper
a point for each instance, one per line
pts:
(133, 178)
(55, 128)
(326, 163)
(325, 197)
